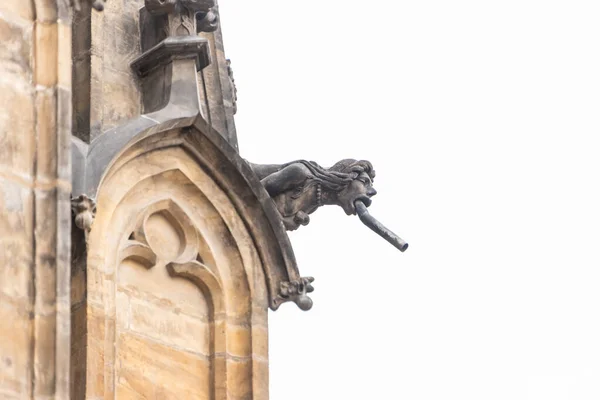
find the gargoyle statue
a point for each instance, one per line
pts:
(300, 187)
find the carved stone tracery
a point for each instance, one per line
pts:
(164, 221)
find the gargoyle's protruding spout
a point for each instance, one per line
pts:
(378, 228)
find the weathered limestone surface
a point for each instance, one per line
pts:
(116, 93)
(115, 42)
(219, 89)
(167, 295)
(35, 128)
(177, 297)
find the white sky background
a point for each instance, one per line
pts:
(482, 121)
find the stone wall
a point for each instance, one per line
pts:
(81, 325)
(177, 297)
(115, 42)
(35, 186)
(115, 89)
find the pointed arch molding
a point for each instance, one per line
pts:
(178, 206)
(205, 150)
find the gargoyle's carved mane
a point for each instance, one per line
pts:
(336, 178)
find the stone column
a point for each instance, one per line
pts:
(35, 186)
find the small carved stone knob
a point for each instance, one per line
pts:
(297, 290)
(98, 5)
(84, 211)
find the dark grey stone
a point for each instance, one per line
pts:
(207, 21)
(300, 187)
(177, 47)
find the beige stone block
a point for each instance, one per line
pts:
(239, 379)
(147, 369)
(260, 342)
(16, 339)
(46, 54)
(239, 341)
(10, 395)
(120, 98)
(95, 278)
(17, 126)
(45, 250)
(16, 241)
(220, 339)
(20, 8)
(123, 311)
(16, 49)
(220, 367)
(46, 107)
(46, 10)
(45, 354)
(95, 353)
(166, 326)
(260, 377)
(65, 61)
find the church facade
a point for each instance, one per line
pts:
(139, 253)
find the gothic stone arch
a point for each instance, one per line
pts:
(185, 257)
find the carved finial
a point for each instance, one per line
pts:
(296, 291)
(84, 211)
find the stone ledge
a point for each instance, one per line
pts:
(173, 48)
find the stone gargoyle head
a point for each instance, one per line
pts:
(300, 187)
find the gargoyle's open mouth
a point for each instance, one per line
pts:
(366, 200)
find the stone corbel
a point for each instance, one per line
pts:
(84, 212)
(296, 291)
